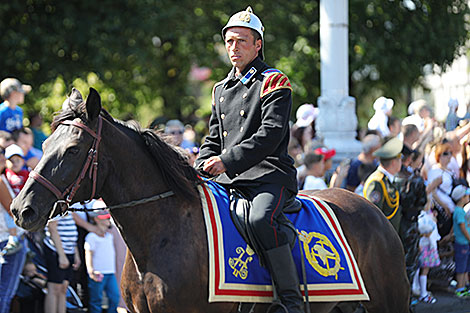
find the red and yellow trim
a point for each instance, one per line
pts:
(273, 82)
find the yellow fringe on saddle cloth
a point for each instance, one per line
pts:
(235, 274)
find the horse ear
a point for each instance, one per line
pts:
(73, 100)
(93, 104)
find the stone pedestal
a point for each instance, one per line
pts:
(337, 124)
(337, 121)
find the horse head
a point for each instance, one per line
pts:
(52, 184)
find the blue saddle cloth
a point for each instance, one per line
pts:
(235, 271)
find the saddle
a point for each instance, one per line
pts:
(240, 211)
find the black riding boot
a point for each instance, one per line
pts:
(285, 277)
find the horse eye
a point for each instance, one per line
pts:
(73, 150)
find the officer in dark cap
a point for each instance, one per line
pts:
(247, 145)
(379, 187)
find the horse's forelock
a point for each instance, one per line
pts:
(70, 112)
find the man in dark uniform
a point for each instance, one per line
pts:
(379, 188)
(247, 145)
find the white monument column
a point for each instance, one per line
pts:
(337, 121)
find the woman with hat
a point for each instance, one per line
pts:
(383, 109)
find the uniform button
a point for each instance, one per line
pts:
(221, 99)
(225, 133)
(242, 112)
(222, 116)
(241, 129)
(245, 95)
(224, 151)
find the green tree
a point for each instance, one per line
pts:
(391, 42)
(141, 51)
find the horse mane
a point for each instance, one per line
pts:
(177, 173)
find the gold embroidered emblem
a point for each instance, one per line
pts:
(323, 256)
(243, 16)
(240, 265)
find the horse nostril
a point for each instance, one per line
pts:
(28, 214)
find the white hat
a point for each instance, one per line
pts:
(425, 228)
(249, 20)
(466, 208)
(459, 192)
(306, 114)
(383, 104)
(426, 223)
(12, 150)
(415, 106)
(8, 85)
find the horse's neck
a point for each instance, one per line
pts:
(132, 173)
(135, 176)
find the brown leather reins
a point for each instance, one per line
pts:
(62, 205)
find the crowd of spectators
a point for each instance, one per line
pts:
(434, 214)
(41, 270)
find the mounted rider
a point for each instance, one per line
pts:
(247, 146)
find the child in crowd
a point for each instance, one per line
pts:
(428, 254)
(315, 169)
(31, 288)
(16, 177)
(15, 171)
(101, 265)
(61, 258)
(461, 220)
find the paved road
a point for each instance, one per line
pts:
(446, 303)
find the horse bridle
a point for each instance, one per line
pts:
(91, 165)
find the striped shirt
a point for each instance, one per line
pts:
(68, 234)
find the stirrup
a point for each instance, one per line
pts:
(276, 300)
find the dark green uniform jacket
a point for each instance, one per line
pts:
(379, 190)
(249, 128)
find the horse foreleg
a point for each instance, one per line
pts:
(132, 287)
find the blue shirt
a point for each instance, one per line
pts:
(452, 121)
(459, 218)
(10, 120)
(352, 179)
(39, 138)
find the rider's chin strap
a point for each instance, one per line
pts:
(91, 165)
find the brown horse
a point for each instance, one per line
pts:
(90, 154)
